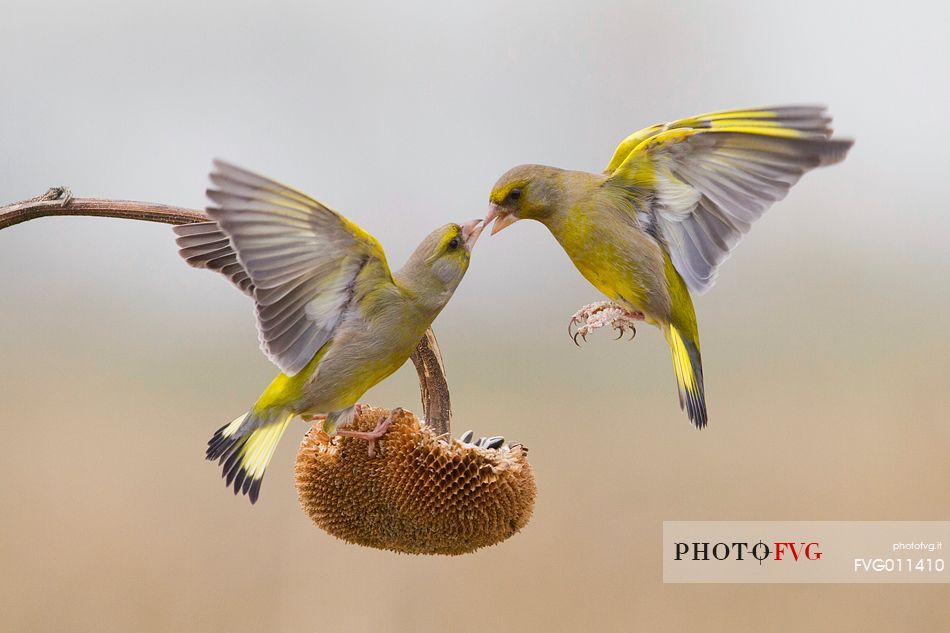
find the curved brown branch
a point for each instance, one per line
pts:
(57, 201)
(427, 359)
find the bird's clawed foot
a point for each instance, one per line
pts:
(599, 314)
(371, 437)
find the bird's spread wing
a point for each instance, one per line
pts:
(204, 245)
(297, 258)
(699, 183)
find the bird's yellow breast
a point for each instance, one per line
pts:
(619, 260)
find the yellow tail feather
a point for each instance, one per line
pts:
(688, 366)
(246, 446)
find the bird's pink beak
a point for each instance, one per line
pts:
(501, 217)
(471, 231)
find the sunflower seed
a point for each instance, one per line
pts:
(495, 442)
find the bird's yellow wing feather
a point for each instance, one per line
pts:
(803, 119)
(698, 184)
(301, 261)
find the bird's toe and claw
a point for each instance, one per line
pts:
(599, 314)
(371, 437)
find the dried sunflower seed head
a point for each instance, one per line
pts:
(423, 495)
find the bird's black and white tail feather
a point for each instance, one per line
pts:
(245, 447)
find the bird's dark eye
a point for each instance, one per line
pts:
(454, 243)
(514, 194)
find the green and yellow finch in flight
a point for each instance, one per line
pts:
(675, 199)
(330, 313)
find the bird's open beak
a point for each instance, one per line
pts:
(471, 231)
(501, 217)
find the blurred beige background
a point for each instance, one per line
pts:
(825, 340)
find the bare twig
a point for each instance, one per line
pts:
(427, 359)
(64, 204)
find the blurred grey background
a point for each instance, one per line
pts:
(825, 340)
